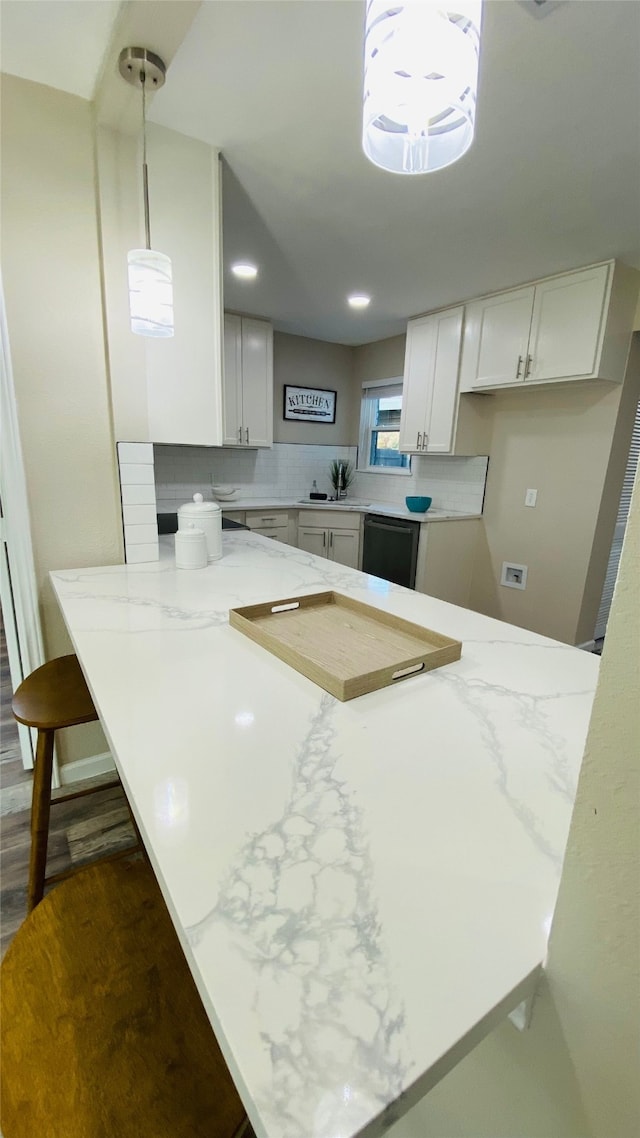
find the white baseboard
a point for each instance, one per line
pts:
(89, 767)
(588, 646)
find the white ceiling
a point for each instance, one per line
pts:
(60, 43)
(552, 180)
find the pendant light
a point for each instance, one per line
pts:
(420, 82)
(150, 277)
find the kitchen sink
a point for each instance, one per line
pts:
(344, 503)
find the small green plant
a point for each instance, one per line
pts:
(347, 475)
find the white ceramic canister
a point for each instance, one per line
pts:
(191, 548)
(207, 516)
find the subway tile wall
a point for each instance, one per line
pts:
(288, 470)
(453, 483)
(138, 493)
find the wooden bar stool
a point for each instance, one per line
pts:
(103, 1032)
(53, 696)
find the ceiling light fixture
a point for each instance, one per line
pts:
(150, 276)
(359, 300)
(420, 83)
(244, 270)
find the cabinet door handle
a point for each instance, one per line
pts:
(330, 539)
(239, 434)
(418, 444)
(425, 441)
(247, 434)
(519, 367)
(527, 370)
(324, 538)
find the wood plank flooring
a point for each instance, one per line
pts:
(80, 830)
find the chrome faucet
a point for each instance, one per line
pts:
(341, 489)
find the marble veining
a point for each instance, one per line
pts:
(301, 905)
(359, 886)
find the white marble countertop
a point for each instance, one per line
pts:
(362, 889)
(358, 506)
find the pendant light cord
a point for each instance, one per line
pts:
(145, 173)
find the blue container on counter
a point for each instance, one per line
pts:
(417, 504)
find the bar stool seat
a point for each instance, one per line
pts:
(103, 1032)
(50, 698)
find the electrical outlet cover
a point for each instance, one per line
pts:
(513, 576)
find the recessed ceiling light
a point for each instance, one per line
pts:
(359, 299)
(244, 270)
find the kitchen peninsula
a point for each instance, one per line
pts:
(362, 889)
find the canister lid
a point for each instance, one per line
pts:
(190, 536)
(199, 508)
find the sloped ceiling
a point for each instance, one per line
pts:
(552, 181)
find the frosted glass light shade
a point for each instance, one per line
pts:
(150, 293)
(420, 82)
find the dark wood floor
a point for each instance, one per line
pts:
(79, 830)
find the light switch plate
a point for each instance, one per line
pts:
(531, 497)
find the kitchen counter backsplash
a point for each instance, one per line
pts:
(288, 470)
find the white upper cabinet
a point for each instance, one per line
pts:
(569, 327)
(430, 386)
(497, 337)
(248, 382)
(164, 390)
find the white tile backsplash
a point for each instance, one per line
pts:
(139, 515)
(453, 483)
(136, 474)
(135, 452)
(138, 554)
(138, 493)
(140, 535)
(288, 470)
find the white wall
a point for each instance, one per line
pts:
(302, 362)
(50, 260)
(574, 1073)
(594, 961)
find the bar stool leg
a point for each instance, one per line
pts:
(40, 809)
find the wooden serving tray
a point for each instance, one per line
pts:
(347, 647)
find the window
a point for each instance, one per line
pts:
(380, 428)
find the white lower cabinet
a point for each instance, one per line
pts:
(446, 557)
(430, 384)
(269, 523)
(338, 539)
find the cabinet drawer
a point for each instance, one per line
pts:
(269, 519)
(330, 519)
(278, 533)
(234, 515)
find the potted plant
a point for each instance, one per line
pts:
(341, 474)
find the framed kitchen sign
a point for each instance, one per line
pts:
(310, 404)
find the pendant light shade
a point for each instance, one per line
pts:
(150, 293)
(150, 274)
(420, 83)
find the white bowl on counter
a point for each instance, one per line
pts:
(224, 492)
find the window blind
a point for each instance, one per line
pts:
(618, 537)
(630, 472)
(382, 390)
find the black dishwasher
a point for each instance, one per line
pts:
(390, 549)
